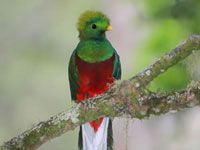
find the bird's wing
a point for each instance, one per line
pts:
(117, 67)
(73, 76)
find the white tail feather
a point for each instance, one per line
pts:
(95, 140)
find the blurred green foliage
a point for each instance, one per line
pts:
(38, 37)
(170, 22)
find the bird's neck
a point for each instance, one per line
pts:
(95, 50)
(98, 36)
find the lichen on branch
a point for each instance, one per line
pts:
(128, 96)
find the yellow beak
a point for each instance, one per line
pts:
(109, 28)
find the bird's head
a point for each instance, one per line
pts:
(93, 25)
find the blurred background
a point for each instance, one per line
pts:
(37, 38)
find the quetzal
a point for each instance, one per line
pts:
(93, 66)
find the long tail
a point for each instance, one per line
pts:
(100, 140)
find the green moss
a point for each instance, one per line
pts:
(165, 35)
(139, 116)
(107, 109)
(88, 115)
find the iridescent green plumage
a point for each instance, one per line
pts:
(93, 49)
(90, 19)
(90, 16)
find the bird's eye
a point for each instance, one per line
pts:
(94, 26)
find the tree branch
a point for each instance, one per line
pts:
(128, 96)
(170, 59)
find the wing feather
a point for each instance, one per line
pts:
(73, 76)
(117, 67)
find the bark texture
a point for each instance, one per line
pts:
(124, 97)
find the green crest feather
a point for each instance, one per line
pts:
(89, 16)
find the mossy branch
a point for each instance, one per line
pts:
(128, 96)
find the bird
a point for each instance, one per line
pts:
(93, 67)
